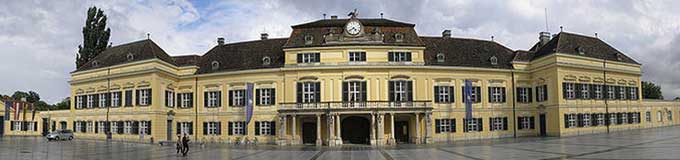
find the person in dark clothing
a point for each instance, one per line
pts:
(179, 144)
(185, 145)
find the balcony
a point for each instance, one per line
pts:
(356, 105)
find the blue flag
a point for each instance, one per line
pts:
(468, 99)
(8, 104)
(249, 102)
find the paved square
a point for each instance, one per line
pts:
(659, 143)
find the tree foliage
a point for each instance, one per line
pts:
(651, 90)
(95, 36)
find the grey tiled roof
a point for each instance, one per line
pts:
(141, 50)
(466, 52)
(318, 29)
(243, 55)
(365, 21)
(570, 43)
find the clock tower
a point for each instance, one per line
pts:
(354, 32)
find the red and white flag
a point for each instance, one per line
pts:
(17, 108)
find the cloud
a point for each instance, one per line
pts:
(39, 44)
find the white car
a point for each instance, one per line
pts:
(60, 135)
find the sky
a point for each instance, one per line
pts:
(39, 39)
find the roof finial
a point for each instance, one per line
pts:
(381, 15)
(148, 35)
(492, 38)
(596, 35)
(561, 28)
(353, 14)
(324, 16)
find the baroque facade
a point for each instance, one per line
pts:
(361, 81)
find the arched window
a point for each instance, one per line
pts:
(580, 50)
(309, 39)
(130, 57)
(440, 57)
(399, 37)
(494, 60)
(266, 60)
(215, 65)
(95, 63)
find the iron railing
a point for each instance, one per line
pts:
(348, 105)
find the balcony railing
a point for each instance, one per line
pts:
(348, 105)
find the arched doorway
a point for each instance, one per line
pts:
(355, 130)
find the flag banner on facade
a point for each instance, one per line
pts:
(23, 108)
(17, 108)
(249, 102)
(468, 99)
(8, 105)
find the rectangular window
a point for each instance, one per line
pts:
(496, 94)
(542, 93)
(610, 92)
(445, 125)
(79, 102)
(127, 127)
(115, 99)
(473, 125)
(114, 127)
(309, 92)
(265, 128)
(624, 118)
(238, 98)
(186, 100)
(128, 98)
(144, 127)
(101, 127)
(357, 56)
(185, 128)
(633, 93)
(399, 56)
(308, 57)
(354, 91)
(400, 91)
(213, 128)
(585, 91)
(238, 128)
(102, 100)
(90, 101)
(568, 90)
(669, 115)
(475, 95)
(524, 95)
(525, 123)
(598, 91)
(213, 98)
(622, 92)
(144, 97)
(571, 120)
(169, 99)
(648, 116)
(17, 125)
(90, 127)
(612, 118)
(586, 121)
(600, 119)
(265, 96)
(443, 94)
(498, 123)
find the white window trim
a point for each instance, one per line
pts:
(237, 128)
(265, 96)
(308, 92)
(265, 128)
(115, 98)
(170, 98)
(570, 90)
(238, 98)
(144, 97)
(496, 94)
(472, 125)
(102, 100)
(572, 120)
(90, 101)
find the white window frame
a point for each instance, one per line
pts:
(184, 127)
(101, 127)
(266, 96)
(102, 100)
(143, 125)
(571, 118)
(600, 119)
(610, 92)
(29, 126)
(472, 125)
(79, 102)
(635, 118)
(622, 92)
(212, 128)
(265, 128)
(144, 97)
(598, 91)
(127, 127)
(238, 97)
(309, 58)
(497, 123)
(613, 119)
(115, 99)
(237, 128)
(540, 94)
(185, 100)
(114, 127)
(212, 99)
(400, 56)
(633, 93)
(586, 120)
(585, 92)
(523, 94)
(496, 94)
(354, 91)
(170, 98)
(355, 56)
(90, 127)
(445, 126)
(90, 101)
(525, 122)
(309, 92)
(624, 117)
(17, 125)
(570, 90)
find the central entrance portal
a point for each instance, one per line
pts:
(355, 130)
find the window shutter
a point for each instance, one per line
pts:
(231, 98)
(465, 124)
(517, 96)
(436, 94)
(299, 58)
(345, 91)
(257, 128)
(545, 92)
(128, 98)
(391, 90)
(191, 99)
(564, 91)
(219, 128)
(491, 124)
(519, 122)
(529, 94)
(408, 56)
(364, 96)
(617, 89)
(96, 127)
(167, 94)
(179, 130)
(178, 102)
(219, 98)
(505, 123)
(135, 127)
(205, 99)
(489, 93)
(437, 125)
(452, 97)
(257, 96)
(409, 91)
(272, 127)
(502, 94)
(577, 90)
(108, 99)
(593, 119)
(463, 95)
(96, 100)
(579, 120)
(205, 128)
(245, 128)
(35, 126)
(230, 128)
(299, 92)
(137, 97)
(390, 56)
(479, 94)
(317, 92)
(480, 124)
(317, 57)
(531, 122)
(453, 125)
(566, 121)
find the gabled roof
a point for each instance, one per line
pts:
(381, 22)
(243, 55)
(574, 44)
(466, 52)
(140, 50)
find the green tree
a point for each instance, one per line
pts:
(18, 95)
(63, 105)
(677, 98)
(95, 36)
(651, 90)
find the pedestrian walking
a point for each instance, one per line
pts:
(185, 145)
(179, 144)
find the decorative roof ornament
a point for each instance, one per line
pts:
(353, 14)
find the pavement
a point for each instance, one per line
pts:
(657, 143)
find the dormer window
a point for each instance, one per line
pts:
(494, 60)
(619, 56)
(95, 63)
(580, 50)
(309, 39)
(440, 57)
(266, 60)
(215, 65)
(398, 37)
(130, 57)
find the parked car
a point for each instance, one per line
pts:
(60, 135)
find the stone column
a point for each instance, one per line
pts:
(294, 130)
(381, 129)
(338, 137)
(282, 130)
(372, 129)
(392, 140)
(330, 124)
(318, 130)
(416, 140)
(428, 127)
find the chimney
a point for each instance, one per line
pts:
(220, 41)
(544, 37)
(446, 33)
(264, 36)
(334, 17)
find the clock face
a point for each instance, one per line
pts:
(353, 27)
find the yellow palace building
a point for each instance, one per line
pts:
(359, 81)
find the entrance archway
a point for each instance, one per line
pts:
(355, 130)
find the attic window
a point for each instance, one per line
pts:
(398, 37)
(440, 57)
(619, 57)
(580, 50)
(130, 57)
(494, 60)
(215, 65)
(266, 60)
(309, 39)
(95, 63)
